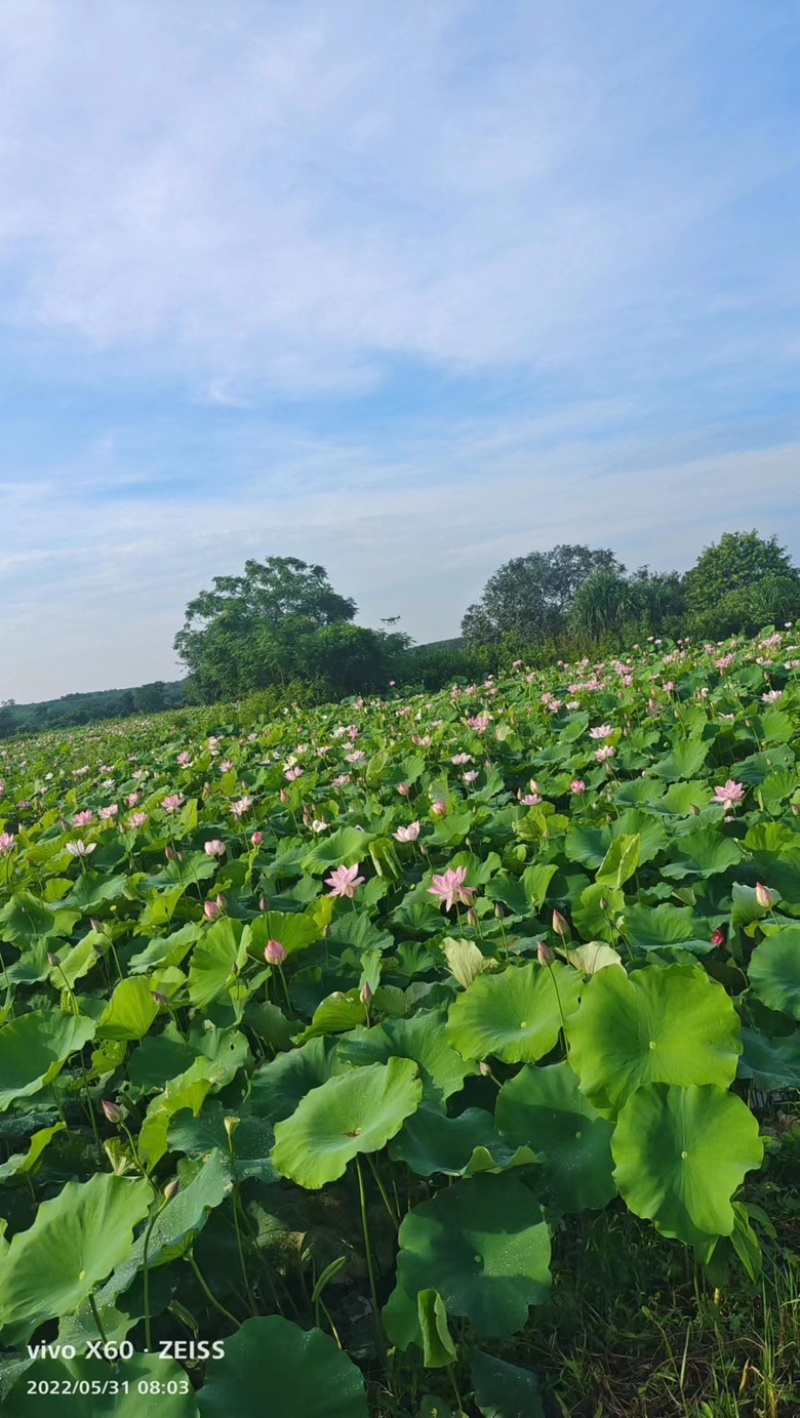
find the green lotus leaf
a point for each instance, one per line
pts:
(22, 1162)
(250, 1145)
(680, 1154)
(775, 971)
(590, 917)
(685, 759)
(422, 1038)
(344, 847)
(272, 1365)
(60, 1377)
(438, 1349)
(593, 956)
(337, 1013)
(504, 1390)
(188, 1090)
(620, 861)
(458, 1147)
(278, 1087)
(34, 1048)
(653, 927)
(659, 1025)
(295, 932)
(353, 1112)
(219, 948)
(485, 1246)
(514, 1015)
(773, 1064)
(92, 889)
(465, 961)
(703, 852)
(25, 919)
(587, 845)
(545, 1109)
(76, 1240)
(130, 1012)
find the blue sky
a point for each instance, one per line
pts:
(403, 289)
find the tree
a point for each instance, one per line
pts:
(738, 562)
(531, 596)
(147, 699)
(247, 632)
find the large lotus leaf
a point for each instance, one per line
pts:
(659, 1025)
(703, 852)
(504, 1390)
(465, 961)
(773, 1064)
(25, 919)
(354, 1112)
(591, 916)
(221, 947)
(681, 1153)
(485, 1246)
(652, 834)
(422, 1038)
(653, 927)
(587, 845)
(272, 1366)
(438, 1349)
(295, 932)
(515, 1015)
(620, 861)
(76, 962)
(34, 1047)
(62, 1377)
(21, 1162)
(76, 1240)
(459, 1147)
(189, 1090)
(130, 1011)
(545, 1108)
(278, 1087)
(344, 847)
(251, 1141)
(593, 956)
(775, 971)
(686, 758)
(92, 889)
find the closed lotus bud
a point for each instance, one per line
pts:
(231, 1124)
(274, 952)
(96, 925)
(603, 903)
(366, 994)
(485, 1069)
(560, 925)
(222, 902)
(403, 789)
(764, 896)
(718, 938)
(498, 911)
(211, 910)
(170, 853)
(263, 903)
(544, 954)
(171, 1189)
(112, 1111)
(284, 796)
(51, 958)
(160, 999)
(795, 808)
(257, 839)
(694, 810)
(472, 916)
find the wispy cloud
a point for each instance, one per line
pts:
(403, 289)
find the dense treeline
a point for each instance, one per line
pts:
(280, 633)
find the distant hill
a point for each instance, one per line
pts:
(72, 710)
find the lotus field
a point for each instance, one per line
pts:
(322, 1041)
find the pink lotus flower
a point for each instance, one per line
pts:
(110, 812)
(82, 819)
(480, 723)
(530, 799)
(214, 848)
(184, 759)
(133, 799)
(341, 780)
(274, 952)
(172, 802)
(461, 758)
(357, 756)
(344, 881)
(450, 887)
(607, 751)
(226, 766)
(408, 834)
(470, 776)
(439, 808)
(577, 786)
(81, 849)
(137, 819)
(7, 843)
(604, 731)
(729, 794)
(318, 824)
(243, 805)
(292, 773)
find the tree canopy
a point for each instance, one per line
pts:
(530, 596)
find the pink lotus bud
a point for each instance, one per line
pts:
(112, 1111)
(284, 796)
(263, 903)
(52, 959)
(214, 848)
(171, 1189)
(211, 910)
(718, 938)
(544, 954)
(257, 839)
(560, 925)
(439, 808)
(764, 896)
(170, 853)
(160, 999)
(274, 952)
(222, 902)
(403, 789)
(485, 1070)
(472, 916)
(366, 995)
